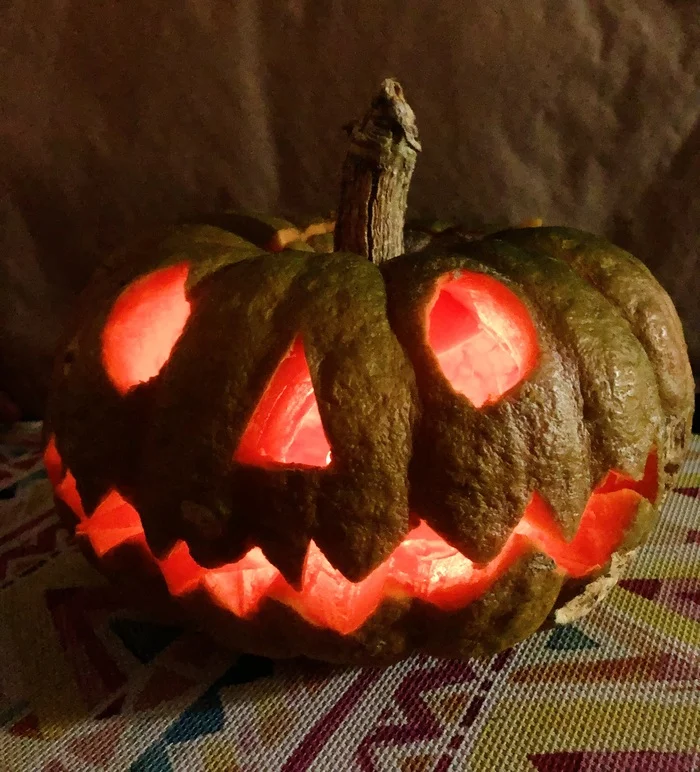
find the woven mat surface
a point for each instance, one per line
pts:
(87, 683)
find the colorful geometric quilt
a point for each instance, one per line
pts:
(88, 683)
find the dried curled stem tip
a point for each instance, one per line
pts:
(389, 120)
(376, 176)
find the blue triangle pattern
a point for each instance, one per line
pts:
(570, 638)
(206, 714)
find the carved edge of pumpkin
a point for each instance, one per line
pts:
(471, 463)
(515, 605)
(579, 597)
(627, 282)
(595, 591)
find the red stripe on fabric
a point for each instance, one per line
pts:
(312, 743)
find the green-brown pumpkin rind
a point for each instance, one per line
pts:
(621, 405)
(626, 282)
(475, 469)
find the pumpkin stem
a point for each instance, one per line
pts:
(376, 176)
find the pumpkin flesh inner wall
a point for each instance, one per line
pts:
(143, 326)
(423, 566)
(285, 427)
(482, 336)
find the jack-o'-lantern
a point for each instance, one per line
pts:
(317, 453)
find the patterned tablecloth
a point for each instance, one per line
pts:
(88, 683)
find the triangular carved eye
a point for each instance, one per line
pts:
(482, 335)
(143, 326)
(285, 427)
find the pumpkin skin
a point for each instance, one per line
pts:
(526, 490)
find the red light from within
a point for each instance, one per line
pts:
(423, 566)
(286, 427)
(52, 462)
(143, 326)
(482, 335)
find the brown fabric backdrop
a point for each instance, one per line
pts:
(115, 115)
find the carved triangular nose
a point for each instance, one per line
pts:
(286, 427)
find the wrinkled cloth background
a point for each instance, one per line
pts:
(115, 116)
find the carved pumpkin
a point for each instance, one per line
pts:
(312, 454)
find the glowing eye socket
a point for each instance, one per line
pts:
(286, 427)
(482, 336)
(143, 326)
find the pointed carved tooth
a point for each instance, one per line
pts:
(104, 540)
(289, 558)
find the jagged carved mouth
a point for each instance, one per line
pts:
(423, 566)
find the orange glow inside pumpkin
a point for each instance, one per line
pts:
(52, 462)
(485, 343)
(423, 566)
(285, 427)
(143, 326)
(482, 336)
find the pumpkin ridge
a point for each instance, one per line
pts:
(627, 283)
(474, 497)
(622, 435)
(355, 360)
